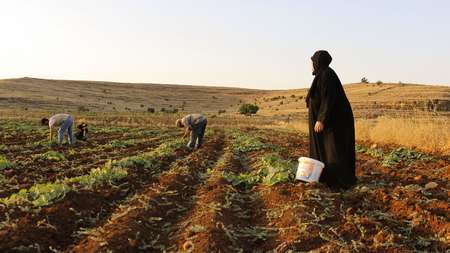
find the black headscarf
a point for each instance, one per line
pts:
(321, 60)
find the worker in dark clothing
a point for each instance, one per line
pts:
(82, 132)
(331, 124)
(195, 124)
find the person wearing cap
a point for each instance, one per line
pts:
(194, 124)
(64, 123)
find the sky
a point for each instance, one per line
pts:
(265, 44)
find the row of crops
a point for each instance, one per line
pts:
(141, 190)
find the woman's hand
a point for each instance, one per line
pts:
(318, 127)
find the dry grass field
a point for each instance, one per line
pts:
(411, 115)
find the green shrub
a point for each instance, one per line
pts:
(248, 109)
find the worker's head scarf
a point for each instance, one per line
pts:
(321, 60)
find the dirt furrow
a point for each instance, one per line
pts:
(78, 164)
(69, 220)
(149, 219)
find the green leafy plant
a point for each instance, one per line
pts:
(243, 143)
(121, 143)
(404, 155)
(105, 174)
(49, 156)
(5, 164)
(274, 169)
(375, 152)
(151, 160)
(39, 195)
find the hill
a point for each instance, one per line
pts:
(368, 100)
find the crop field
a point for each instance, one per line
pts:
(139, 189)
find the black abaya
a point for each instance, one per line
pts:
(335, 145)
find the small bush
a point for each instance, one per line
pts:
(364, 80)
(222, 111)
(379, 82)
(151, 110)
(248, 109)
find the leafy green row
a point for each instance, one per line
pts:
(41, 195)
(243, 142)
(270, 168)
(5, 164)
(49, 156)
(151, 160)
(395, 156)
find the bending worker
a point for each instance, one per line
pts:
(195, 124)
(64, 122)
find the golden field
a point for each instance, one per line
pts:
(410, 115)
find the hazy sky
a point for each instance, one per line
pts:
(247, 43)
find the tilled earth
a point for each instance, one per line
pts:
(190, 206)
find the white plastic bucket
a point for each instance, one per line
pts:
(309, 170)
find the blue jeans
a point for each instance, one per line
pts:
(66, 125)
(198, 131)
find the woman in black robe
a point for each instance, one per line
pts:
(331, 125)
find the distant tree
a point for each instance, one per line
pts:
(142, 106)
(364, 80)
(163, 109)
(248, 109)
(151, 110)
(281, 102)
(293, 96)
(222, 111)
(379, 82)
